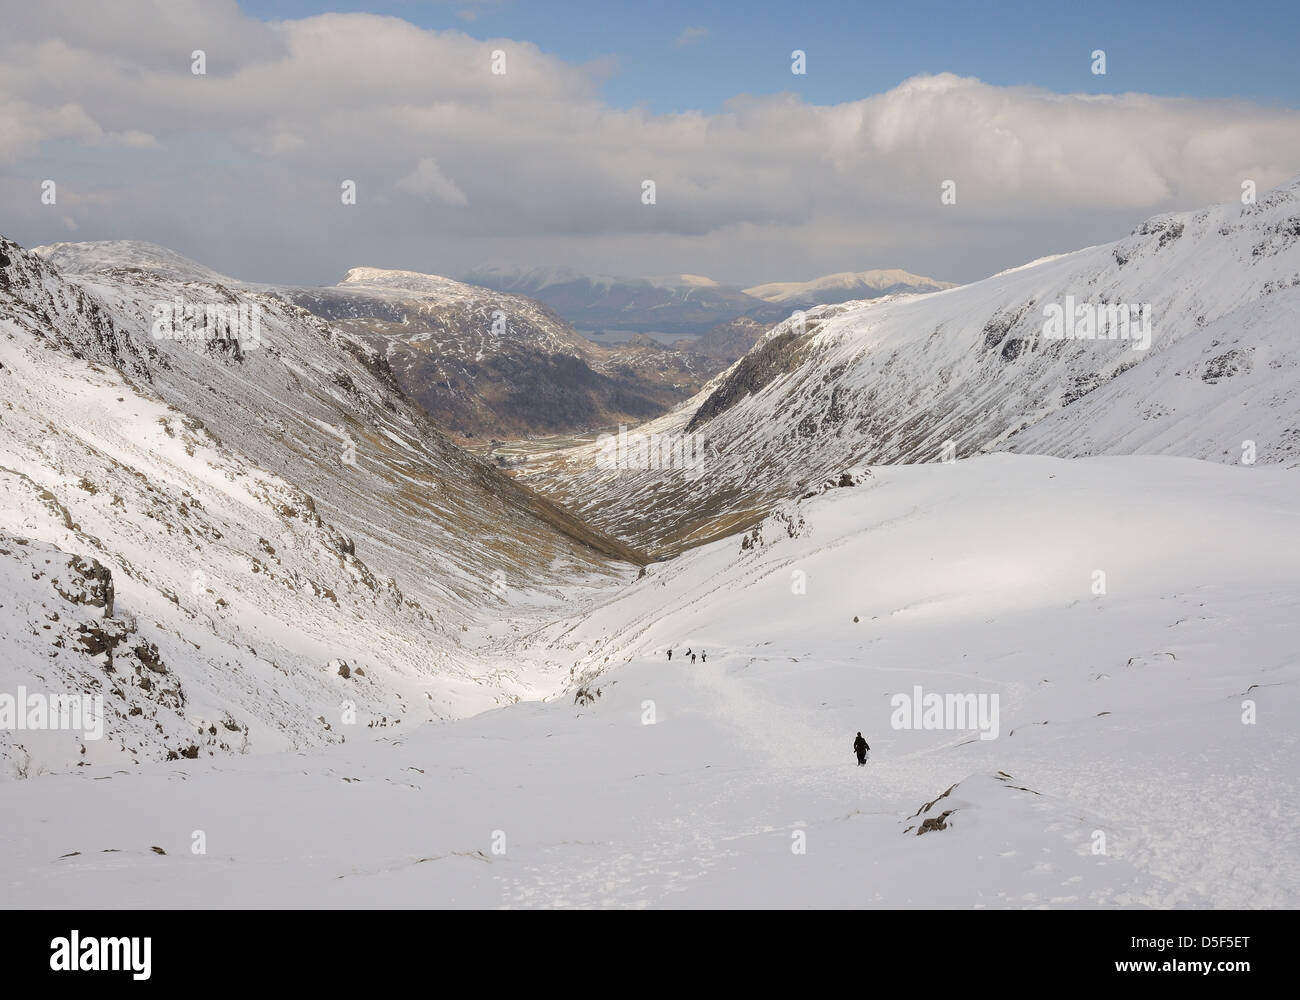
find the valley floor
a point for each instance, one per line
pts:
(1122, 773)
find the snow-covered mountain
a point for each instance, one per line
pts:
(230, 535)
(682, 303)
(686, 303)
(125, 256)
(486, 364)
(481, 363)
(843, 287)
(917, 378)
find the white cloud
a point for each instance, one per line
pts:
(533, 165)
(428, 181)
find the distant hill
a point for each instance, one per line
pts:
(685, 303)
(844, 287)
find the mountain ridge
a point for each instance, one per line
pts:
(970, 369)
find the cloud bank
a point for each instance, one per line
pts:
(455, 164)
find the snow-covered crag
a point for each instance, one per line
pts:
(488, 364)
(973, 369)
(281, 529)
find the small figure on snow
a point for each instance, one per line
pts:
(670, 654)
(703, 658)
(692, 658)
(860, 748)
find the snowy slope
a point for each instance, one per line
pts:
(1120, 714)
(481, 363)
(295, 403)
(128, 255)
(898, 378)
(210, 484)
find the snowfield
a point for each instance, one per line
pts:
(1120, 725)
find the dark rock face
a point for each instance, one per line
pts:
(99, 639)
(1080, 386)
(1166, 230)
(69, 319)
(90, 584)
(842, 481)
(1225, 365)
(997, 329)
(934, 823)
(750, 375)
(1014, 347)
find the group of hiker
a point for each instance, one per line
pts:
(703, 656)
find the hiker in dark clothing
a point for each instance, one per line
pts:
(860, 748)
(692, 657)
(670, 655)
(703, 658)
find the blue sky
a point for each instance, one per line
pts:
(1242, 49)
